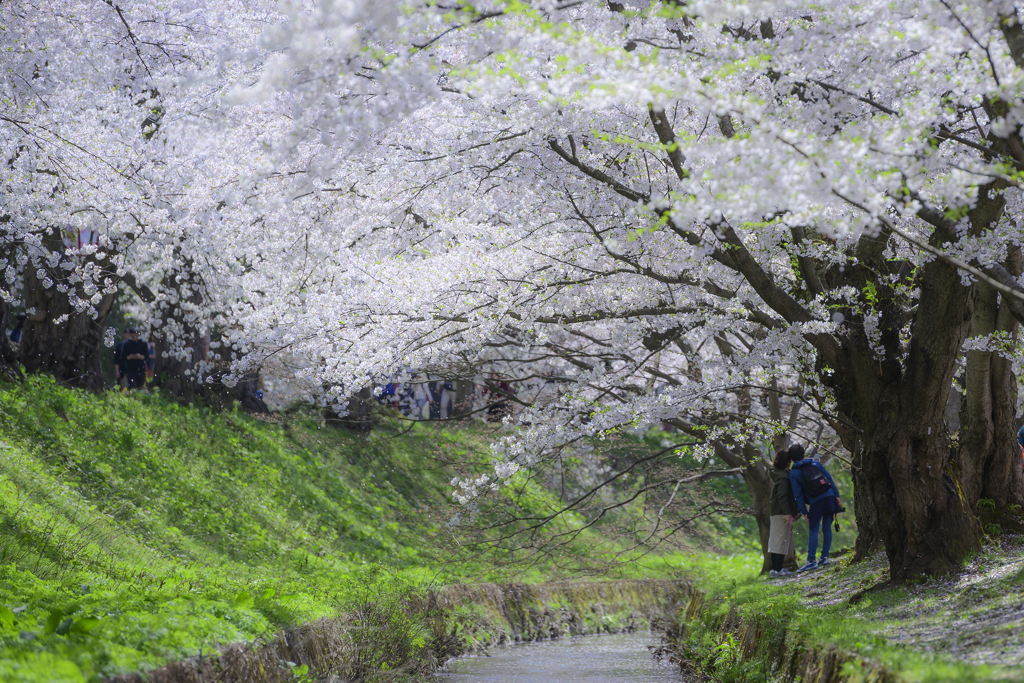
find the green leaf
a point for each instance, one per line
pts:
(243, 599)
(53, 621)
(301, 670)
(85, 625)
(65, 626)
(268, 593)
(6, 617)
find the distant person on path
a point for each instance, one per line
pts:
(435, 388)
(422, 399)
(119, 377)
(130, 361)
(817, 497)
(447, 399)
(18, 327)
(151, 360)
(783, 510)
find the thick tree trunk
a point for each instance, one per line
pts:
(58, 339)
(927, 526)
(9, 370)
(760, 486)
(178, 342)
(906, 489)
(868, 540)
(989, 457)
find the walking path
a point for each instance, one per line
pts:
(976, 616)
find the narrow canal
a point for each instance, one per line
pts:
(621, 658)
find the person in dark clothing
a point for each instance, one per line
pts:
(18, 326)
(435, 400)
(130, 361)
(783, 510)
(822, 506)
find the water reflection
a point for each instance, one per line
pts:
(621, 658)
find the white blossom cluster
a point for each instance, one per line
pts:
(556, 190)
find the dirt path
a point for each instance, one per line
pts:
(976, 616)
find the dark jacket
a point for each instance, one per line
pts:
(131, 347)
(798, 490)
(781, 501)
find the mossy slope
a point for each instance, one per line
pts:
(134, 531)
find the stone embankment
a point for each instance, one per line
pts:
(456, 619)
(496, 615)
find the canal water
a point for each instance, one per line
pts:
(620, 658)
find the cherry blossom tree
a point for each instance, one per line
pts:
(672, 212)
(836, 183)
(102, 119)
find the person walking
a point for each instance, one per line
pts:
(783, 510)
(130, 361)
(817, 497)
(435, 387)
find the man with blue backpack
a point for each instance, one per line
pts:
(818, 498)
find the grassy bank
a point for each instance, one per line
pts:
(134, 531)
(964, 627)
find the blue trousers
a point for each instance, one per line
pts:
(822, 510)
(812, 541)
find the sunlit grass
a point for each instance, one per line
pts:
(153, 531)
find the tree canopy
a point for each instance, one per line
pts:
(672, 212)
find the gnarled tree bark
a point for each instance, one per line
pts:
(58, 338)
(988, 456)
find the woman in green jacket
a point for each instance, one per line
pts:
(783, 511)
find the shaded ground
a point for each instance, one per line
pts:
(975, 616)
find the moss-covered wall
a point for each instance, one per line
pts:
(490, 614)
(734, 647)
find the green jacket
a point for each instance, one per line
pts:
(781, 501)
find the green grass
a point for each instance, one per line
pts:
(135, 531)
(959, 628)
